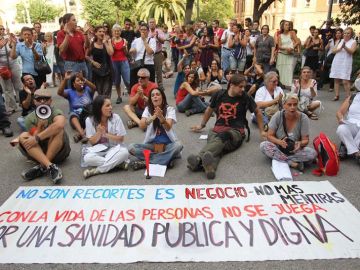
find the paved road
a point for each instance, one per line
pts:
(246, 165)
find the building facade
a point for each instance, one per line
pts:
(303, 13)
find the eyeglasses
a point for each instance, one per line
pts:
(142, 77)
(155, 94)
(2, 28)
(40, 99)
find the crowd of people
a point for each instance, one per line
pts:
(222, 72)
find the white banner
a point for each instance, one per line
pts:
(123, 224)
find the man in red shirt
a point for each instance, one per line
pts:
(72, 44)
(139, 98)
(217, 30)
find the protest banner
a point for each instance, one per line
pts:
(233, 222)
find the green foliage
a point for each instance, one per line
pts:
(111, 11)
(215, 9)
(164, 11)
(356, 63)
(350, 12)
(39, 11)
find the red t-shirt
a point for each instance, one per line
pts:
(218, 33)
(75, 51)
(119, 53)
(140, 102)
(181, 94)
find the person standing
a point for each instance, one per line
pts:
(72, 45)
(8, 64)
(40, 35)
(143, 48)
(264, 49)
(285, 59)
(127, 33)
(120, 62)
(29, 51)
(59, 62)
(225, 49)
(4, 121)
(101, 50)
(313, 46)
(159, 37)
(341, 66)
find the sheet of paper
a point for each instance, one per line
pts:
(156, 170)
(203, 137)
(97, 148)
(281, 171)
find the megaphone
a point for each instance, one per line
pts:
(43, 112)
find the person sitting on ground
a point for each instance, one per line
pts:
(139, 98)
(188, 99)
(288, 135)
(214, 74)
(268, 97)
(255, 76)
(80, 97)
(26, 98)
(158, 120)
(349, 123)
(45, 140)
(182, 71)
(195, 65)
(306, 89)
(106, 128)
(229, 132)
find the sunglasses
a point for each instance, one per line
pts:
(140, 77)
(2, 28)
(40, 99)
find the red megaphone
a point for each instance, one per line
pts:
(147, 162)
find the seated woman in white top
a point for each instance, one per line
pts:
(105, 128)
(306, 89)
(268, 97)
(349, 123)
(158, 119)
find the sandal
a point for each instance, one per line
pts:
(77, 137)
(131, 124)
(312, 116)
(336, 98)
(138, 165)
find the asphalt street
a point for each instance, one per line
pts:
(246, 165)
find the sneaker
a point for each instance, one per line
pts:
(131, 124)
(193, 162)
(55, 173)
(188, 113)
(342, 151)
(137, 165)
(119, 100)
(90, 172)
(123, 166)
(208, 164)
(171, 164)
(33, 173)
(7, 132)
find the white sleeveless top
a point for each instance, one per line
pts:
(354, 111)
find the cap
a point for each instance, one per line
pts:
(42, 92)
(357, 84)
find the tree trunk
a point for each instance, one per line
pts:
(259, 8)
(188, 11)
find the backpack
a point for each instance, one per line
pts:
(220, 94)
(328, 158)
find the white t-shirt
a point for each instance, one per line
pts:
(263, 94)
(225, 36)
(115, 127)
(305, 91)
(150, 132)
(138, 45)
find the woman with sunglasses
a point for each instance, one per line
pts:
(80, 97)
(158, 120)
(188, 99)
(104, 128)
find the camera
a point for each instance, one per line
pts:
(289, 148)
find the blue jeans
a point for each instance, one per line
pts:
(265, 118)
(172, 151)
(76, 67)
(225, 59)
(4, 120)
(193, 103)
(121, 69)
(238, 64)
(21, 123)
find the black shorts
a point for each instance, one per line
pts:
(59, 157)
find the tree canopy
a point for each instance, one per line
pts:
(39, 11)
(350, 12)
